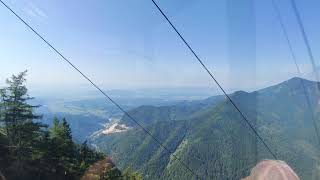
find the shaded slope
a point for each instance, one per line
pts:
(217, 144)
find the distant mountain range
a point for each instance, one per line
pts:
(87, 115)
(213, 140)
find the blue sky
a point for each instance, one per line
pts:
(127, 44)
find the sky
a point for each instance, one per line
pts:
(125, 44)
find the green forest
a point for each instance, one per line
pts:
(213, 140)
(208, 135)
(32, 150)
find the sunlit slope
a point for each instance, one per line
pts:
(216, 143)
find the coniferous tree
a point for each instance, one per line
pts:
(54, 130)
(22, 130)
(63, 148)
(28, 150)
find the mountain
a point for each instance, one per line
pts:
(148, 114)
(87, 115)
(211, 137)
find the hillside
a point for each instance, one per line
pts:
(88, 112)
(147, 114)
(215, 142)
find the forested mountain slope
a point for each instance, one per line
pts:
(215, 142)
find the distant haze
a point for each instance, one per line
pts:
(128, 45)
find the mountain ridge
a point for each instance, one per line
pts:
(208, 139)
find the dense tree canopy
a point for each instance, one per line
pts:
(31, 150)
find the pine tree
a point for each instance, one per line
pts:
(28, 149)
(61, 133)
(66, 132)
(54, 130)
(85, 153)
(63, 146)
(22, 130)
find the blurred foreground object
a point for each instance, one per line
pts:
(272, 170)
(2, 176)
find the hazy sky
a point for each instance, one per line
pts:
(127, 43)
